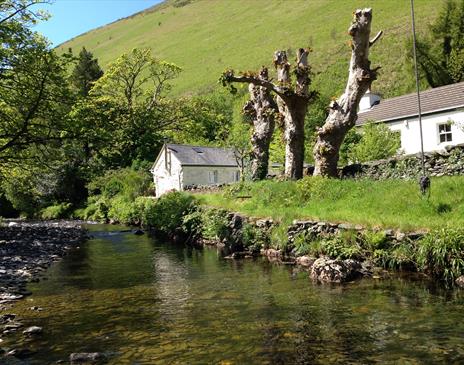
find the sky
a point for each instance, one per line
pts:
(69, 18)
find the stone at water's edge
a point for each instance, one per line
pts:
(460, 281)
(327, 270)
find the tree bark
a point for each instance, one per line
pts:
(263, 109)
(293, 107)
(292, 104)
(344, 111)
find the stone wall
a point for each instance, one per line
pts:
(447, 162)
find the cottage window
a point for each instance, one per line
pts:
(444, 132)
(213, 177)
(168, 161)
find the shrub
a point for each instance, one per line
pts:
(167, 214)
(302, 244)
(441, 253)
(254, 238)
(215, 224)
(377, 142)
(58, 211)
(340, 248)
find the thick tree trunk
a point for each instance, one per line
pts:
(262, 108)
(292, 104)
(293, 107)
(344, 111)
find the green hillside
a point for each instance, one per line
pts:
(205, 37)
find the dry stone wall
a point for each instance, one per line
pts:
(447, 162)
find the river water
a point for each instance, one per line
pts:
(141, 301)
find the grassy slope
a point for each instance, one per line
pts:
(207, 36)
(390, 203)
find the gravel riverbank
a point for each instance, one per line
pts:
(29, 248)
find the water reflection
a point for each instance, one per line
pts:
(146, 302)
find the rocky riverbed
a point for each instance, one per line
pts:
(27, 249)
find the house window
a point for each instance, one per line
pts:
(168, 161)
(444, 132)
(213, 177)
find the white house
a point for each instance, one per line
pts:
(442, 117)
(178, 166)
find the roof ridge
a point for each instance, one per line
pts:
(191, 145)
(429, 90)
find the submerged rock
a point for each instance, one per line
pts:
(33, 330)
(326, 270)
(86, 357)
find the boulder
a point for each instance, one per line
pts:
(460, 281)
(305, 261)
(326, 270)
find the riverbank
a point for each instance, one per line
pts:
(392, 204)
(27, 250)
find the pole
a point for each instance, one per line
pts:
(424, 181)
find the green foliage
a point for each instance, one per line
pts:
(114, 196)
(441, 56)
(167, 214)
(215, 224)
(312, 187)
(377, 142)
(254, 238)
(279, 237)
(21, 191)
(86, 72)
(342, 246)
(441, 253)
(58, 211)
(387, 203)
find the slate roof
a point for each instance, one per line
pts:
(202, 156)
(405, 106)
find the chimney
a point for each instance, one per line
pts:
(368, 100)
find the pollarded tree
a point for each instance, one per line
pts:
(262, 109)
(344, 111)
(292, 102)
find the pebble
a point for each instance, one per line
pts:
(33, 330)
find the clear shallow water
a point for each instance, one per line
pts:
(147, 302)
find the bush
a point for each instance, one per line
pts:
(441, 253)
(377, 142)
(254, 238)
(215, 224)
(167, 214)
(58, 211)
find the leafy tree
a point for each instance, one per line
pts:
(377, 142)
(441, 56)
(135, 86)
(34, 97)
(204, 119)
(86, 72)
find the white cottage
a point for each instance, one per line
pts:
(442, 117)
(179, 166)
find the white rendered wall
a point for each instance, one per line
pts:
(164, 180)
(199, 175)
(410, 134)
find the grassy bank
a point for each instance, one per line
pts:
(391, 203)
(206, 37)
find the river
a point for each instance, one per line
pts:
(141, 301)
